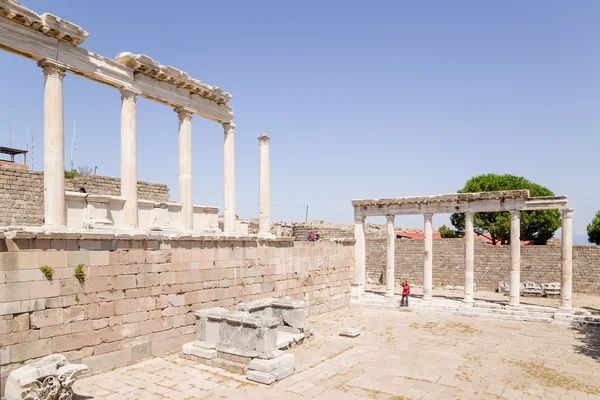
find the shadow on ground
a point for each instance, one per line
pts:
(589, 337)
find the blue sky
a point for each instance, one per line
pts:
(361, 99)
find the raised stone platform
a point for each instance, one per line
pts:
(483, 309)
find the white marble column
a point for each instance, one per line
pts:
(515, 258)
(428, 264)
(186, 197)
(55, 211)
(391, 248)
(228, 179)
(360, 271)
(264, 184)
(129, 157)
(566, 276)
(469, 257)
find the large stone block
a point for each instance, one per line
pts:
(283, 360)
(200, 349)
(40, 319)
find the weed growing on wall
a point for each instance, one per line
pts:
(47, 271)
(79, 274)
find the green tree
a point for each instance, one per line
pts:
(70, 174)
(537, 226)
(593, 230)
(448, 233)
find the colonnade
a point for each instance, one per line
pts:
(469, 238)
(54, 182)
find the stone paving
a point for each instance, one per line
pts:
(399, 355)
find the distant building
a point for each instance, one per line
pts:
(12, 153)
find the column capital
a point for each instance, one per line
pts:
(515, 214)
(567, 212)
(390, 218)
(469, 215)
(428, 215)
(359, 219)
(264, 138)
(228, 127)
(129, 94)
(52, 68)
(184, 113)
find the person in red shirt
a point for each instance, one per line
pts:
(405, 293)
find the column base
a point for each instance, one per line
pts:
(468, 301)
(427, 298)
(356, 290)
(390, 294)
(565, 310)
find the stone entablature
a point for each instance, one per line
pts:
(47, 36)
(506, 200)
(146, 65)
(49, 24)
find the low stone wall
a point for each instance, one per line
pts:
(539, 264)
(139, 296)
(22, 194)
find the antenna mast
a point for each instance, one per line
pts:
(27, 141)
(9, 136)
(32, 154)
(73, 148)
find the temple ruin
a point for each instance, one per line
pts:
(513, 201)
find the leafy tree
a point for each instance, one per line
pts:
(537, 226)
(70, 174)
(593, 230)
(448, 233)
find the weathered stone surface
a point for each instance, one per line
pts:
(260, 377)
(30, 378)
(349, 332)
(294, 318)
(199, 349)
(283, 372)
(284, 360)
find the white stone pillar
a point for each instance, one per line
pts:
(360, 271)
(129, 157)
(229, 179)
(264, 183)
(515, 258)
(391, 248)
(428, 264)
(186, 197)
(566, 275)
(469, 257)
(55, 210)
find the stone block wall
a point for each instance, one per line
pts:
(138, 296)
(539, 264)
(22, 193)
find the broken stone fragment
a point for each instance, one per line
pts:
(52, 374)
(349, 332)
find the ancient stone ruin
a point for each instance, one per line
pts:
(50, 378)
(251, 339)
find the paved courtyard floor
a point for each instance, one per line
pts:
(399, 355)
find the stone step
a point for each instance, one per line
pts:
(530, 317)
(510, 317)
